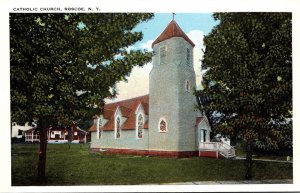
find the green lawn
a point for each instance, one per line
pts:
(77, 166)
(256, 155)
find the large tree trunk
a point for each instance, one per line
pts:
(248, 161)
(70, 133)
(41, 177)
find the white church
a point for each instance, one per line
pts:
(165, 122)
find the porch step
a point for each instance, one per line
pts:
(227, 154)
(224, 150)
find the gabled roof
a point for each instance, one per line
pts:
(57, 128)
(129, 103)
(110, 125)
(200, 119)
(30, 130)
(127, 108)
(108, 113)
(80, 130)
(172, 30)
(93, 128)
(125, 111)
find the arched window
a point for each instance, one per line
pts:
(162, 54)
(187, 86)
(118, 127)
(140, 124)
(162, 125)
(99, 122)
(188, 56)
(203, 135)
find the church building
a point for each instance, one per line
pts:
(165, 122)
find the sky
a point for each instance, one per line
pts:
(195, 25)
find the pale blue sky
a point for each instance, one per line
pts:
(195, 25)
(187, 21)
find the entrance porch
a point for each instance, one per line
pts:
(216, 150)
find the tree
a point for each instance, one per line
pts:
(248, 58)
(63, 65)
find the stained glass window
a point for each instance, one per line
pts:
(163, 54)
(118, 130)
(99, 129)
(187, 86)
(140, 126)
(163, 126)
(187, 56)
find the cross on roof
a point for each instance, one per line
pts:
(173, 15)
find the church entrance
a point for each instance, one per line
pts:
(203, 134)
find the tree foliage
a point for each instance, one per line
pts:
(64, 65)
(248, 58)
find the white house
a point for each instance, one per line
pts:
(58, 135)
(17, 130)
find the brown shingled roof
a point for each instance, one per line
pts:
(127, 108)
(198, 120)
(129, 103)
(109, 126)
(93, 127)
(107, 113)
(146, 107)
(125, 111)
(172, 30)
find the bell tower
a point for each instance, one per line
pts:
(172, 103)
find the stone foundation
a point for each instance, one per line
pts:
(213, 154)
(174, 154)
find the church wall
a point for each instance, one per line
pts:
(128, 140)
(163, 100)
(187, 102)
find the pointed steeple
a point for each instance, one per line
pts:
(172, 30)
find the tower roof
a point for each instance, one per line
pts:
(172, 30)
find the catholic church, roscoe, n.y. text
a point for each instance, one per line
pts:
(165, 122)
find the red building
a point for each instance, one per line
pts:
(58, 135)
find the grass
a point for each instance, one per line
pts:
(77, 166)
(257, 155)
